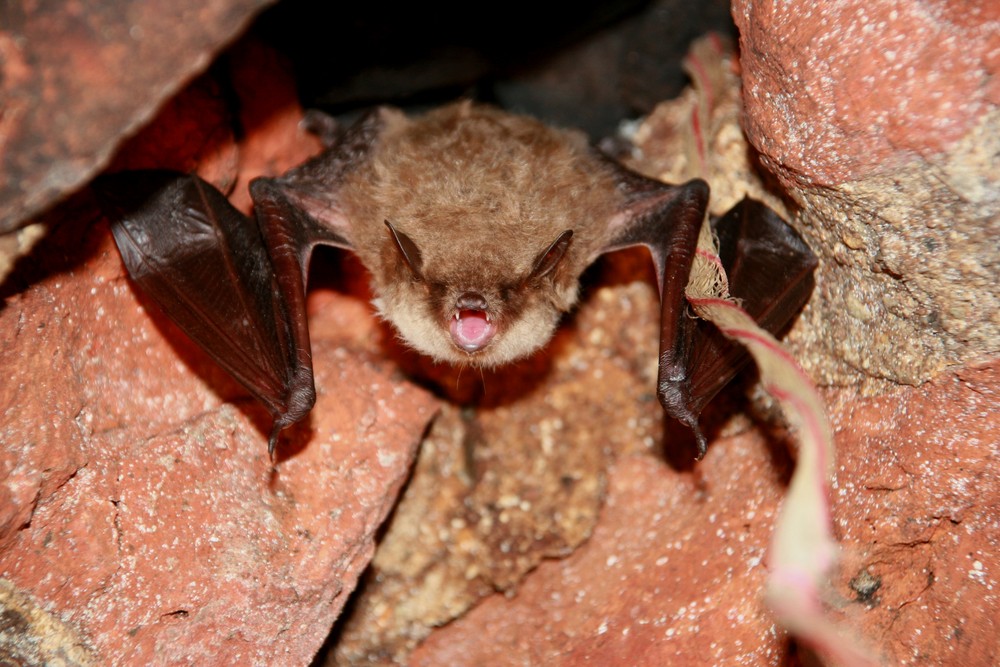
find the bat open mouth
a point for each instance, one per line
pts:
(472, 329)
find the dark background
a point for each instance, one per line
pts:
(586, 64)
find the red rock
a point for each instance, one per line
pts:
(80, 77)
(835, 90)
(138, 503)
(916, 505)
(142, 507)
(674, 570)
(671, 575)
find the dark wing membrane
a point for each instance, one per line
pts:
(237, 287)
(770, 270)
(313, 188)
(206, 266)
(667, 220)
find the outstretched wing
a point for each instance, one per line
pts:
(769, 268)
(236, 286)
(770, 271)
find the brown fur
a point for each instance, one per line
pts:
(481, 193)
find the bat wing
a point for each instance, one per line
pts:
(769, 268)
(234, 287)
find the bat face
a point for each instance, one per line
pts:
(483, 313)
(475, 226)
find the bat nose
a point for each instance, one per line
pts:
(472, 328)
(470, 301)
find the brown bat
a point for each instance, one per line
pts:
(475, 225)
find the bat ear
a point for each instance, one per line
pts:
(549, 259)
(408, 250)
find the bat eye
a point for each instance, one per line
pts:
(549, 259)
(408, 250)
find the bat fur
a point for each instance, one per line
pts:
(481, 193)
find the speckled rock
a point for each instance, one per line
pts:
(142, 507)
(863, 84)
(883, 121)
(674, 569)
(138, 504)
(671, 575)
(916, 503)
(29, 635)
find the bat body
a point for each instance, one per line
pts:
(472, 218)
(475, 226)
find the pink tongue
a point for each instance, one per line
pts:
(471, 331)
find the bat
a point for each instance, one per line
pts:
(475, 225)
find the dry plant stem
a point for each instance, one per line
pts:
(803, 549)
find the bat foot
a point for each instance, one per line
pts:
(701, 444)
(272, 440)
(682, 448)
(672, 399)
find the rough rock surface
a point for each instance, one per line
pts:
(883, 121)
(674, 569)
(670, 576)
(79, 77)
(29, 635)
(138, 504)
(916, 504)
(144, 508)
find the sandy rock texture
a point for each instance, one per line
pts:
(882, 121)
(673, 571)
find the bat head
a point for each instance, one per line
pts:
(478, 314)
(475, 226)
